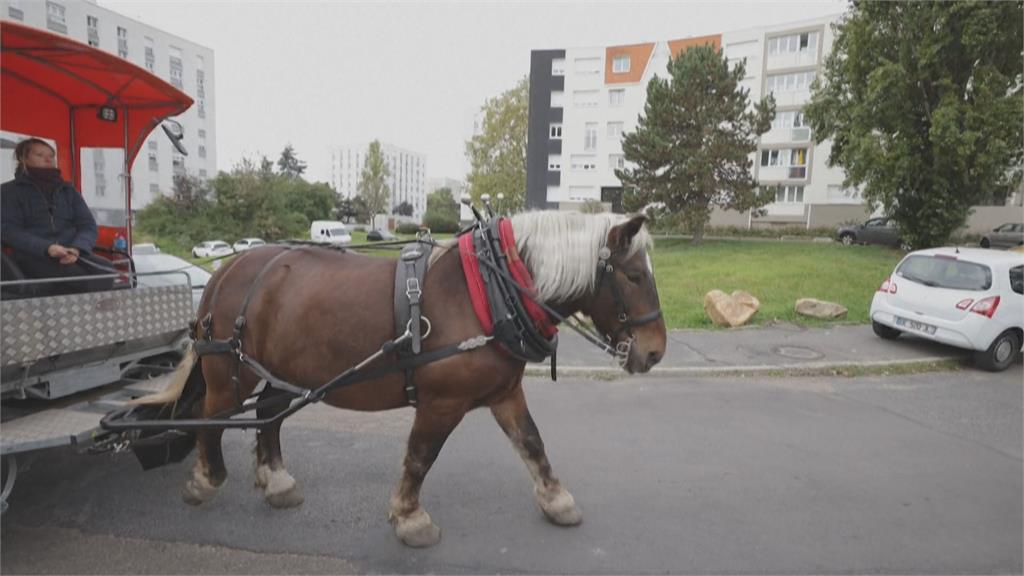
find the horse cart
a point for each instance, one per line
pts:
(66, 360)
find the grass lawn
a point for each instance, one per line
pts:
(777, 273)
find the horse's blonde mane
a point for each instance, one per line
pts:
(560, 249)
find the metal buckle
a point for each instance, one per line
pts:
(412, 288)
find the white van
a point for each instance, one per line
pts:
(329, 231)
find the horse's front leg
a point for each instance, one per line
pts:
(431, 427)
(514, 418)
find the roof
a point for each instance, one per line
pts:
(51, 83)
(980, 255)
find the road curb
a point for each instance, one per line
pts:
(541, 370)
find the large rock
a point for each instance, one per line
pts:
(730, 309)
(820, 309)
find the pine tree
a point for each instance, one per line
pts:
(691, 150)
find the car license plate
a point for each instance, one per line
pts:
(915, 325)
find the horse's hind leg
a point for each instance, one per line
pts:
(514, 418)
(209, 472)
(430, 429)
(279, 488)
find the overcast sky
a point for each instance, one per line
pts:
(330, 73)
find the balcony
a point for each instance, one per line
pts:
(792, 98)
(792, 60)
(781, 173)
(786, 135)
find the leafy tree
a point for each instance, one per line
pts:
(266, 167)
(403, 209)
(373, 182)
(289, 164)
(497, 153)
(442, 213)
(345, 209)
(924, 105)
(190, 192)
(692, 147)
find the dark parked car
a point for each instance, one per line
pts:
(380, 236)
(1006, 236)
(881, 231)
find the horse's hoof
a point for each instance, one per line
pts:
(279, 488)
(560, 508)
(197, 490)
(287, 499)
(416, 529)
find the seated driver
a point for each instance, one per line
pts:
(48, 225)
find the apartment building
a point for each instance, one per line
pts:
(582, 101)
(184, 64)
(407, 174)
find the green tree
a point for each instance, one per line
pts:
(442, 213)
(190, 193)
(373, 182)
(924, 105)
(497, 153)
(691, 150)
(289, 164)
(403, 209)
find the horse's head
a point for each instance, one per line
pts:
(625, 306)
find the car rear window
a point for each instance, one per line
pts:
(1017, 279)
(946, 272)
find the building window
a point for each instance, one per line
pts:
(92, 24)
(176, 67)
(587, 66)
(770, 158)
(202, 151)
(202, 134)
(154, 165)
(584, 98)
(555, 162)
(122, 42)
(178, 164)
(791, 82)
(201, 108)
(202, 173)
(200, 84)
(590, 136)
(556, 99)
(101, 188)
(558, 67)
(789, 119)
(616, 97)
(152, 145)
(581, 193)
(14, 10)
(555, 131)
(55, 19)
(154, 189)
(616, 161)
(795, 159)
(615, 130)
(586, 163)
(620, 65)
(789, 194)
(806, 42)
(150, 54)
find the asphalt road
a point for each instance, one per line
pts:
(907, 474)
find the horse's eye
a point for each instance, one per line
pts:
(634, 277)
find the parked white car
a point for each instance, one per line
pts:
(965, 297)
(166, 270)
(145, 248)
(247, 243)
(211, 249)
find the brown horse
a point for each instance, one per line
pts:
(317, 312)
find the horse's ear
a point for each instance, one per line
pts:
(619, 237)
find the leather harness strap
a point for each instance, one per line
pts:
(410, 272)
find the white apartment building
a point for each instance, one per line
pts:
(182, 63)
(582, 101)
(407, 180)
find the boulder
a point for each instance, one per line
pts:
(730, 310)
(820, 309)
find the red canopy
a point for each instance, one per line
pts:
(53, 87)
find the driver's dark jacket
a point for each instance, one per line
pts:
(31, 220)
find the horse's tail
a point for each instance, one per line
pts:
(188, 370)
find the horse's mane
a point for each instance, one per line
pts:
(560, 249)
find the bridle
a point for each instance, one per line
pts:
(626, 323)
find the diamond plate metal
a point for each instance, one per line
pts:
(37, 328)
(57, 427)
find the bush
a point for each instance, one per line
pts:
(440, 224)
(407, 228)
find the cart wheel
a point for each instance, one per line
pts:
(9, 474)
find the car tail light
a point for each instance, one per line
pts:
(964, 304)
(986, 307)
(888, 286)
